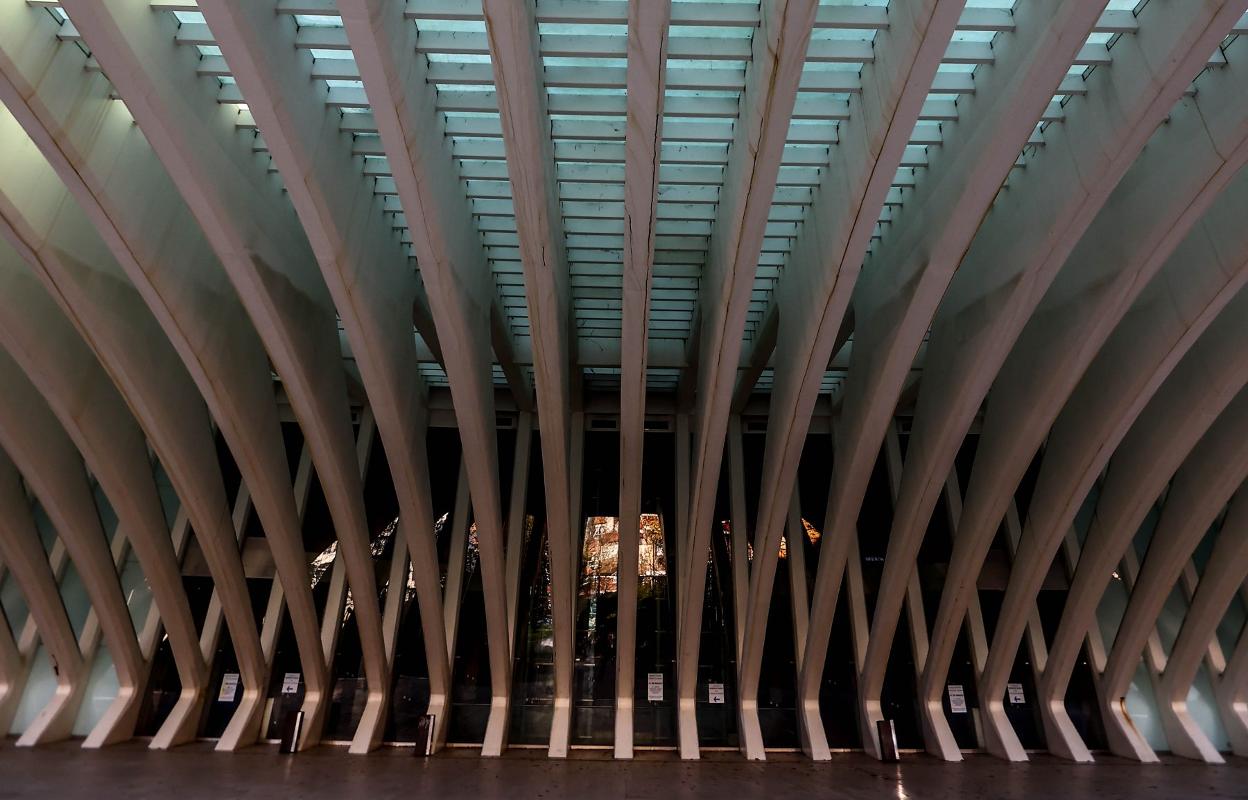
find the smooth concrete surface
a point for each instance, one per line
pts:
(65, 771)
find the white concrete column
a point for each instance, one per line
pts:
(1223, 578)
(1023, 242)
(647, 71)
(94, 415)
(249, 224)
(463, 301)
(778, 53)
(23, 552)
(53, 238)
(55, 473)
(895, 304)
(105, 161)
(1217, 466)
(367, 273)
(740, 531)
(1110, 398)
(516, 514)
(1150, 212)
(13, 671)
(1174, 422)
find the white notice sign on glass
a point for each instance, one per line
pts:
(1015, 692)
(654, 686)
(229, 688)
(290, 683)
(715, 694)
(957, 699)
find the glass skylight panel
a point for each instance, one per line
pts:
(585, 72)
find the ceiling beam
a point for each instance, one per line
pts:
(369, 276)
(1032, 227)
(251, 227)
(771, 82)
(162, 262)
(517, 72)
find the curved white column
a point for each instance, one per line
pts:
(1016, 254)
(1148, 442)
(94, 415)
(369, 278)
(778, 52)
(904, 280)
(1146, 460)
(23, 552)
(1203, 486)
(13, 670)
(250, 226)
(463, 301)
(811, 305)
(1210, 266)
(772, 77)
(105, 161)
(1148, 215)
(647, 83)
(511, 29)
(54, 238)
(1223, 578)
(55, 473)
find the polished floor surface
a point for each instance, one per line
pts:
(129, 771)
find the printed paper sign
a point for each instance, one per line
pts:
(1015, 692)
(957, 699)
(290, 683)
(715, 694)
(654, 686)
(229, 688)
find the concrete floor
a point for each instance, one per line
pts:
(129, 771)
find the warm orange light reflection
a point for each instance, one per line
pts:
(600, 553)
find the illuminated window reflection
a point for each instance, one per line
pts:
(600, 555)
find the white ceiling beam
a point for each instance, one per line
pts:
(1016, 253)
(93, 413)
(249, 224)
(648, 50)
(454, 272)
(42, 224)
(1189, 162)
(1202, 488)
(159, 249)
(771, 85)
(1223, 578)
(370, 278)
(518, 74)
(23, 551)
(905, 276)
